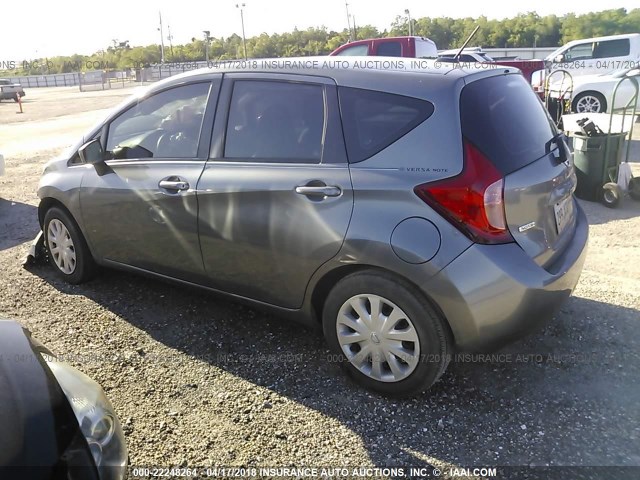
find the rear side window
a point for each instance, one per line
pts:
(611, 48)
(275, 122)
(503, 118)
(374, 120)
(389, 49)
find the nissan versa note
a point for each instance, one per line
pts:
(410, 213)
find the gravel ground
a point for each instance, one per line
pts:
(199, 381)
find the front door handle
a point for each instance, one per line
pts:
(319, 191)
(174, 184)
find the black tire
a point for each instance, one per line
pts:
(433, 333)
(610, 195)
(85, 267)
(634, 188)
(599, 96)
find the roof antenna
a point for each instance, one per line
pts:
(457, 55)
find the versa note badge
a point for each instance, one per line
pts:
(526, 226)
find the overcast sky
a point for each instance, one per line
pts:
(42, 28)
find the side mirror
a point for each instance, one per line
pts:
(559, 58)
(92, 152)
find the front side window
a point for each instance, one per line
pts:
(579, 52)
(355, 51)
(275, 122)
(164, 125)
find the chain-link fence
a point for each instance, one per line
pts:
(53, 80)
(107, 80)
(99, 80)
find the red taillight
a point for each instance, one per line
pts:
(473, 200)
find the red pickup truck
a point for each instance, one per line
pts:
(420, 47)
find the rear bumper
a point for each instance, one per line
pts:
(492, 294)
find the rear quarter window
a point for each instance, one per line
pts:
(374, 120)
(504, 118)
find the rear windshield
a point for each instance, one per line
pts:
(504, 118)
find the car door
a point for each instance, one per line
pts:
(141, 209)
(275, 197)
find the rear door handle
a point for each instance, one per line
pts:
(319, 191)
(174, 184)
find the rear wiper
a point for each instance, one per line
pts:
(560, 150)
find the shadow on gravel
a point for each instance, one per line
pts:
(598, 214)
(564, 396)
(18, 223)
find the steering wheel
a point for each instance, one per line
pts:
(174, 144)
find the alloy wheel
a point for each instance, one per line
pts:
(588, 104)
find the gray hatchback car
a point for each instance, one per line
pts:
(408, 212)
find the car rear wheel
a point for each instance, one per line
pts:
(385, 334)
(67, 248)
(589, 102)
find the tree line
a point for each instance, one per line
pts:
(524, 30)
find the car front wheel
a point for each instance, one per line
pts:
(385, 334)
(67, 248)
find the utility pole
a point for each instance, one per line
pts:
(207, 38)
(244, 40)
(406, 11)
(170, 38)
(161, 39)
(346, 6)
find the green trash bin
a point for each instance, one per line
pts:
(592, 168)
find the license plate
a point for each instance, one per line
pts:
(564, 211)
